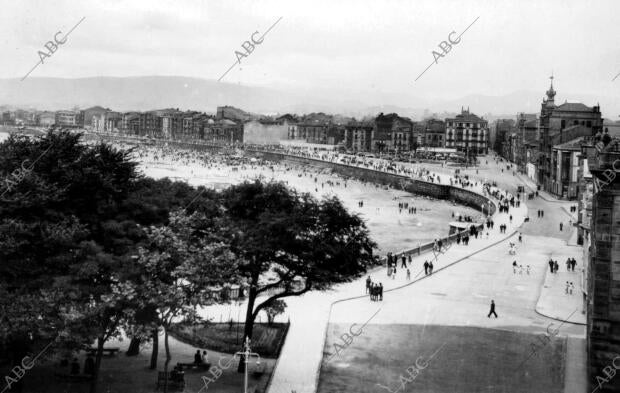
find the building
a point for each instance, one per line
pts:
(171, 123)
(433, 133)
(603, 270)
(46, 119)
(130, 123)
(527, 137)
(319, 128)
(149, 125)
(265, 132)
(565, 159)
(91, 112)
(504, 130)
(392, 133)
(107, 122)
(467, 133)
(232, 113)
(291, 125)
(69, 119)
(358, 136)
(8, 119)
(559, 124)
(223, 132)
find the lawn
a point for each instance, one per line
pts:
(467, 359)
(227, 337)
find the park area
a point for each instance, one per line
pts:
(121, 373)
(447, 359)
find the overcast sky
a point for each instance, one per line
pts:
(346, 47)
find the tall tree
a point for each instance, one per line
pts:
(178, 265)
(292, 243)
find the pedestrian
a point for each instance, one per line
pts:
(561, 226)
(528, 269)
(430, 268)
(514, 267)
(492, 311)
(403, 261)
(368, 284)
(566, 289)
(573, 263)
(408, 275)
(520, 238)
(380, 292)
(520, 269)
(556, 267)
(425, 267)
(570, 289)
(551, 265)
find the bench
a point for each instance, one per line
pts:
(199, 366)
(106, 351)
(73, 377)
(161, 379)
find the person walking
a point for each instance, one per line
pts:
(408, 275)
(551, 265)
(380, 292)
(514, 267)
(520, 238)
(430, 268)
(561, 226)
(556, 266)
(492, 311)
(426, 268)
(403, 261)
(368, 284)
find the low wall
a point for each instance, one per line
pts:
(414, 186)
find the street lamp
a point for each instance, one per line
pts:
(245, 354)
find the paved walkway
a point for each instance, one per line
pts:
(466, 275)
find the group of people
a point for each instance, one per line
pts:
(428, 267)
(374, 289)
(502, 228)
(518, 267)
(570, 264)
(89, 365)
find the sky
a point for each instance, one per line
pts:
(349, 48)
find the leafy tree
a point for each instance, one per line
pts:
(292, 243)
(276, 308)
(177, 266)
(71, 215)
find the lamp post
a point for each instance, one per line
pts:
(245, 355)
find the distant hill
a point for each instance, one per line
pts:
(137, 93)
(155, 92)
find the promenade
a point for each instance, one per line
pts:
(458, 293)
